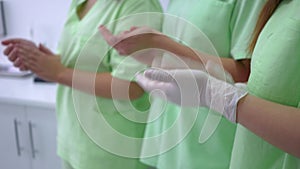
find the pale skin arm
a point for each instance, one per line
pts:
(239, 70)
(140, 38)
(102, 85)
(47, 65)
(275, 123)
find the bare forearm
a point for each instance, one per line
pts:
(277, 124)
(100, 84)
(166, 43)
(238, 69)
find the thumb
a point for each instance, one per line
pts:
(107, 35)
(44, 49)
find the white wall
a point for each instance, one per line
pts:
(164, 4)
(38, 20)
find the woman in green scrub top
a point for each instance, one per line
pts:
(274, 77)
(268, 114)
(228, 25)
(85, 16)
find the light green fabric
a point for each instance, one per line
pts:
(66, 165)
(275, 77)
(229, 25)
(74, 145)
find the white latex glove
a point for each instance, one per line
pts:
(193, 88)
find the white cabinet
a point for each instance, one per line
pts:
(13, 140)
(42, 134)
(28, 137)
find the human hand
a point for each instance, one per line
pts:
(133, 40)
(174, 62)
(41, 61)
(12, 53)
(193, 88)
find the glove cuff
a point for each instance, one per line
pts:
(225, 98)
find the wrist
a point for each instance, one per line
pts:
(240, 106)
(64, 76)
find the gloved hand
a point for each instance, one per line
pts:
(187, 87)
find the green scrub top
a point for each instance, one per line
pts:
(81, 38)
(274, 77)
(228, 25)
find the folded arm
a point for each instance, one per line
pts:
(40, 60)
(141, 38)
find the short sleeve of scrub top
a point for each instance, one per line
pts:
(242, 25)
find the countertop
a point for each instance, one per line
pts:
(23, 91)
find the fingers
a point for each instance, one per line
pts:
(28, 64)
(107, 35)
(18, 62)
(21, 61)
(10, 41)
(150, 85)
(23, 68)
(8, 49)
(29, 51)
(23, 53)
(17, 46)
(159, 75)
(45, 49)
(17, 41)
(133, 28)
(13, 55)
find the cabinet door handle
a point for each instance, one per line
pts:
(17, 137)
(33, 150)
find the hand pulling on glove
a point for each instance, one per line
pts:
(187, 87)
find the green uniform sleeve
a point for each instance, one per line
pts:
(243, 23)
(135, 14)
